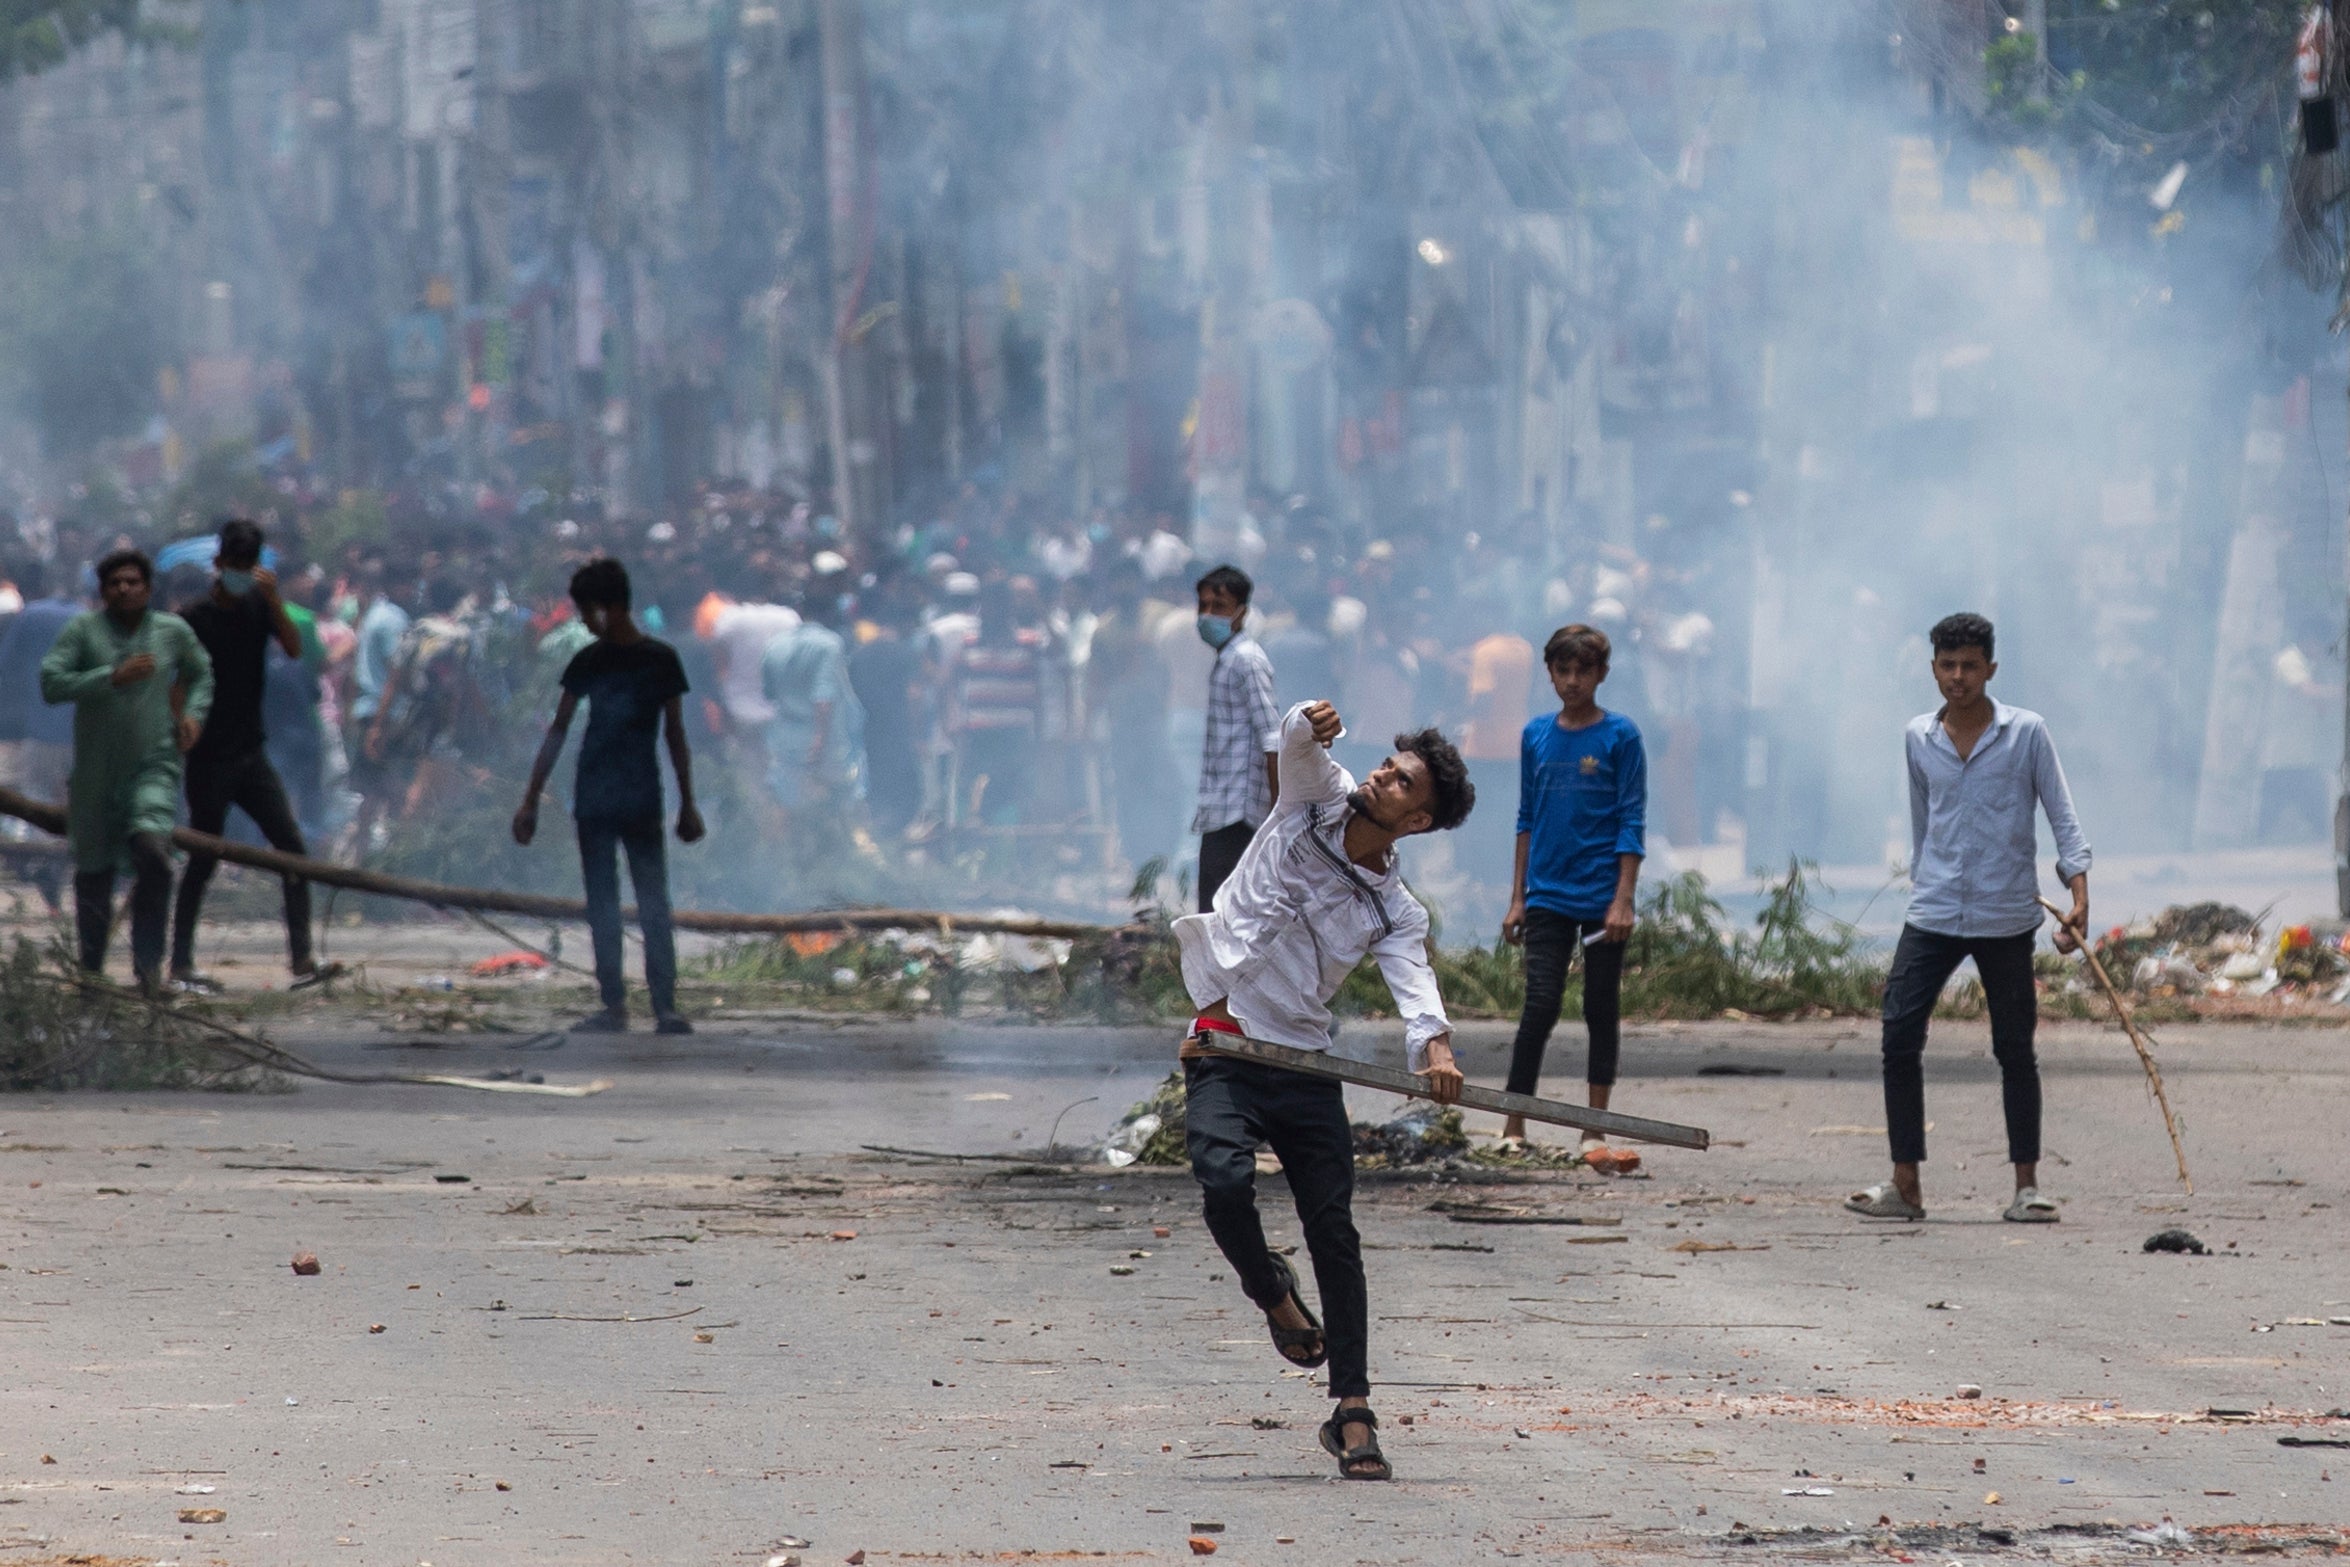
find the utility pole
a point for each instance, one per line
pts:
(1219, 446)
(860, 475)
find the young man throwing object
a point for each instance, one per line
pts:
(1314, 891)
(1977, 771)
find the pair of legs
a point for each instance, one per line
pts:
(1232, 1108)
(249, 783)
(1219, 856)
(1006, 760)
(1922, 964)
(93, 908)
(1550, 948)
(600, 846)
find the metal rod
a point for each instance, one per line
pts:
(1365, 1074)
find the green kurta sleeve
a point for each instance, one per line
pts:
(76, 666)
(126, 759)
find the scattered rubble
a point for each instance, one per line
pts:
(2177, 1241)
(305, 1263)
(1420, 1135)
(1152, 1131)
(2216, 949)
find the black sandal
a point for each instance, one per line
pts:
(1309, 1337)
(1334, 1443)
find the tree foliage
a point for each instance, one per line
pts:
(37, 34)
(2158, 79)
(87, 331)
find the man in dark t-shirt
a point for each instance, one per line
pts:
(634, 686)
(229, 766)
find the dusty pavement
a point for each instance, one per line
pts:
(631, 1329)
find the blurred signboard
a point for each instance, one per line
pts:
(418, 355)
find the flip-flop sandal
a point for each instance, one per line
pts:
(319, 976)
(1334, 1443)
(1308, 1338)
(1883, 1202)
(2030, 1207)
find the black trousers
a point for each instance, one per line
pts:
(1922, 965)
(1219, 853)
(1550, 948)
(243, 779)
(93, 907)
(1231, 1108)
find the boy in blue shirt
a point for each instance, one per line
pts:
(1582, 810)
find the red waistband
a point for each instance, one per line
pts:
(1213, 1025)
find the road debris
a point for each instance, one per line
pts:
(1421, 1134)
(1201, 1545)
(203, 1515)
(504, 963)
(1151, 1132)
(306, 1264)
(2178, 1241)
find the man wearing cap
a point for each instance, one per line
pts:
(816, 738)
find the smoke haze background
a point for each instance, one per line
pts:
(1762, 333)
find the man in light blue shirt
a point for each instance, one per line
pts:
(380, 630)
(1978, 771)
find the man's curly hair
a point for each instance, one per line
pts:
(1451, 796)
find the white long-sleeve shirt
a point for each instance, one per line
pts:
(1974, 855)
(1296, 916)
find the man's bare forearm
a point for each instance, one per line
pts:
(681, 756)
(543, 765)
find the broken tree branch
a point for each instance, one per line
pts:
(51, 818)
(2138, 1043)
(257, 1051)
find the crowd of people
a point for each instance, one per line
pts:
(983, 678)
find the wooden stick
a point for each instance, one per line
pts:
(1365, 1074)
(2138, 1043)
(51, 818)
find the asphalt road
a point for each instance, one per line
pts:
(623, 1328)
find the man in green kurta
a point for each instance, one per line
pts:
(140, 684)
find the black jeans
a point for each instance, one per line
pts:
(1219, 853)
(600, 844)
(93, 907)
(245, 780)
(1550, 947)
(1922, 964)
(1230, 1109)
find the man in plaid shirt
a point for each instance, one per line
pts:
(1239, 777)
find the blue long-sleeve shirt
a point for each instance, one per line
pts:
(1583, 801)
(1974, 850)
